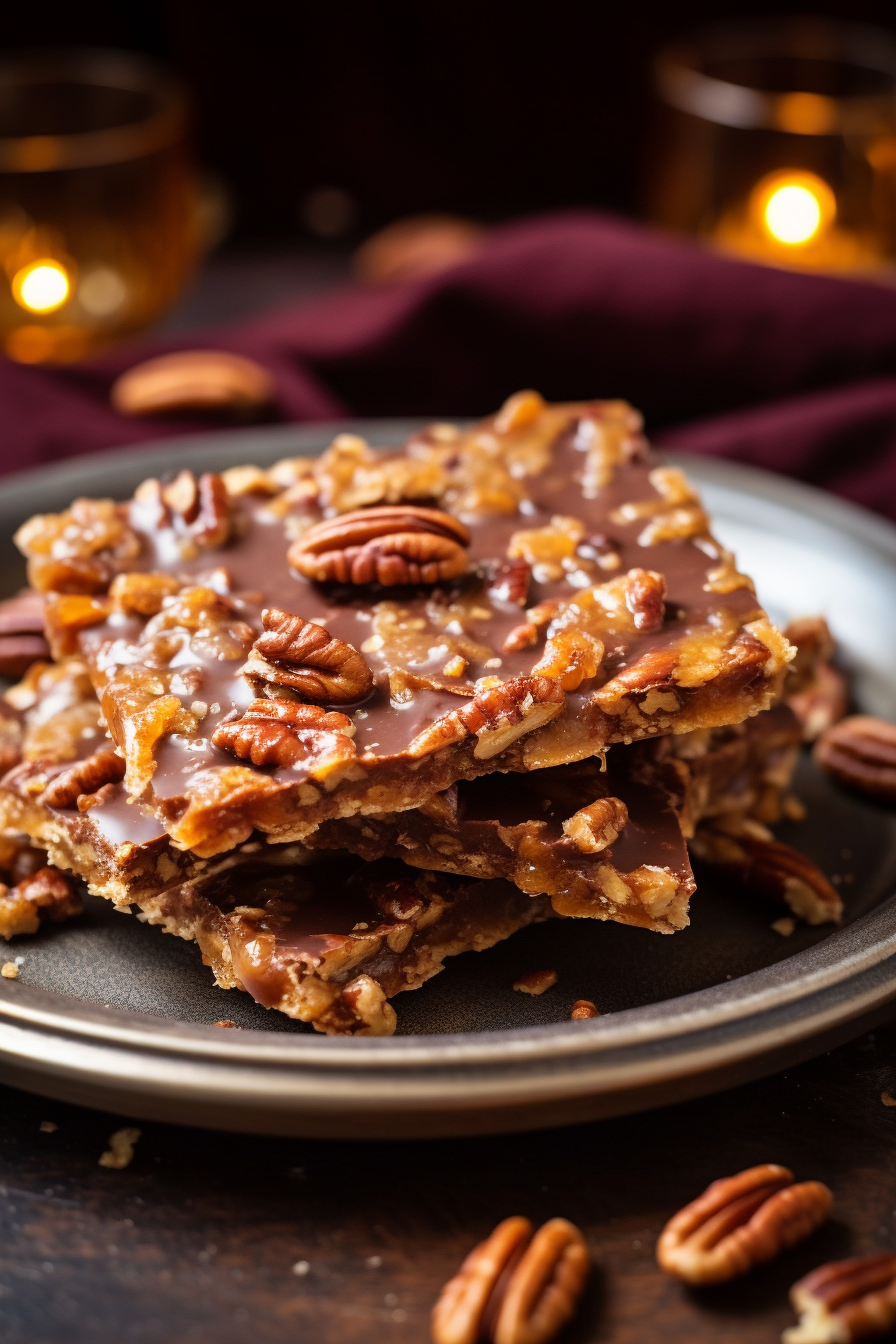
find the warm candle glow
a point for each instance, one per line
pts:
(795, 207)
(41, 287)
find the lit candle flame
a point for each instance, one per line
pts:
(794, 207)
(41, 287)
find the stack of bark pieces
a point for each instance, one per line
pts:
(342, 718)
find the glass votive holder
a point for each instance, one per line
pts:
(778, 142)
(97, 200)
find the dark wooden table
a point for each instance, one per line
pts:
(232, 1238)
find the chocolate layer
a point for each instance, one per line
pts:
(565, 508)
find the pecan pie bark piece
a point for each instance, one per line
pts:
(599, 844)
(332, 943)
(593, 607)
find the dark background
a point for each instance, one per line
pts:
(482, 107)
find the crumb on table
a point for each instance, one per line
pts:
(120, 1152)
(536, 982)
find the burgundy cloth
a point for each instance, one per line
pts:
(792, 372)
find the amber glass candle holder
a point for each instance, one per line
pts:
(97, 201)
(778, 142)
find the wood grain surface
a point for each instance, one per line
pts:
(199, 1238)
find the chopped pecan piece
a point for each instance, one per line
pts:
(282, 732)
(571, 657)
(535, 982)
(860, 753)
(68, 615)
(83, 777)
(389, 545)
(514, 1288)
(645, 597)
(201, 507)
(21, 633)
(747, 853)
(46, 895)
(137, 594)
(508, 582)
(739, 1222)
(521, 637)
(501, 714)
(306, 658)
(76, 551)
(596, 826)
(845, 1301)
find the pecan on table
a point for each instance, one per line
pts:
(45, 895)
(860, 753)
(282, 733)
(845, 1301)
(306, 658)
(83, 778)
(390, 545)
(190, 382)
(748, 854)
(21, 633)
(514, 1288)
(645, 597)
(739, 1222)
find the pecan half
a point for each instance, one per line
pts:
(514, 1288)
(739, 1222)
(21, 633)
(389, 545)
(283, 733)
(749, 855)
(308, 659)
(596, 826)
(83, 777)
(47, 895)
(192, 381)
(645, 597)
(860, 753)
(845, 1301)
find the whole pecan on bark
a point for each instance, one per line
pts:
(21, 633)
(596, 826)
(514, 1288)
(390, 545)
(860, 753)
(739, 1222)
(283, 733)
(845, 1301)
(645, 597)
(769, 868)
(83, 778)
(193, 381)
(306, 658)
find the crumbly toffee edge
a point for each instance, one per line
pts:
(352, 634)
(60, 793)
(340, 981)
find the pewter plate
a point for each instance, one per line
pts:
(110, 1013)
